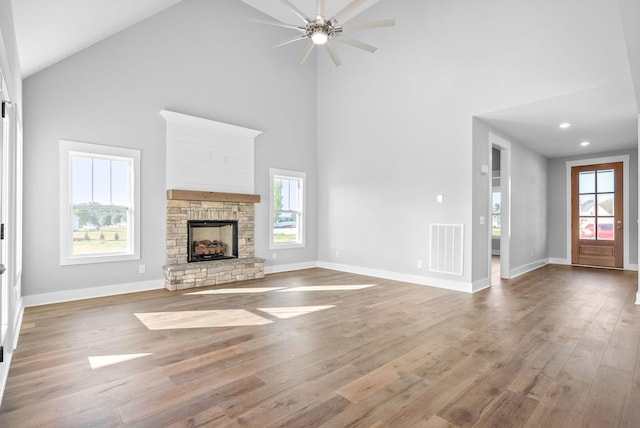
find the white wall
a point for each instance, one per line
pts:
(10, 67)
(199, 57)
(9, 53)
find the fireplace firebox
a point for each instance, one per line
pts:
(212, 240)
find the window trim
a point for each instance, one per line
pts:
(67, 150)
(302, 176)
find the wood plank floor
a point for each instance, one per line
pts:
(557, 347)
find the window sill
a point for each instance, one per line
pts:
(286, 246)
(85, 260)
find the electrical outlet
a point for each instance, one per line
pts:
(337, 254)
(274, 256)
(419, 264)
(142, 268)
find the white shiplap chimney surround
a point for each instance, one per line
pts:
(210, 156)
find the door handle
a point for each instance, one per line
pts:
(2, 269)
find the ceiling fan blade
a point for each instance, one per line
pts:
(348, 9)
(276, 24)
(333, 54)
(368, 25)
(321, 8)
(286, 42)
(295, 10)
(355, 43)
(305, 53)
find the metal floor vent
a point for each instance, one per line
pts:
(446, 248)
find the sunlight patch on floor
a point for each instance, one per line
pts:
(328, 288)
(293, 311)
(109, 360)
(200, 319)
(235, 291)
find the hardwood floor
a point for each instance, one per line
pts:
(557, 347)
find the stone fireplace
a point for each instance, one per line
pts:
(210, 208)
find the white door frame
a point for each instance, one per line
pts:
(505, 203)
(4, 206)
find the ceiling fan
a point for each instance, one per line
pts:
(322, 31)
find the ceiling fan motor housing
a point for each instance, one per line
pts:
(321, 27)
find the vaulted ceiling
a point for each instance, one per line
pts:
(48, 31)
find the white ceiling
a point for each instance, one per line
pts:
(604, 116)
(48, 31)
(277, 10)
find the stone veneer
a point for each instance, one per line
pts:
(179, 274)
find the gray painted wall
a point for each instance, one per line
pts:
(186, 59)
(558, 204)
(528, 244)
(395, 130)
(391, 139)
(528, 207)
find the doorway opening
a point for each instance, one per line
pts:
(499, 211)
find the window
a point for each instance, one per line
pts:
(99, 203)
(287, 208)
(596, 197)
(496, 214)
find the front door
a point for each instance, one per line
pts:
(596, 215)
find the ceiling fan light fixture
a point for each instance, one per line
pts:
(319, 37)
(322, 31)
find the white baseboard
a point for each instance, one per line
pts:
(290, 267)
(4, 371)
(632, 266)
(8, 353)
(638, 298)
(528, 267)
(559, 261)
(89, 293)
(481, 285)
(403, 277)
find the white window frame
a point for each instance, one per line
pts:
(74, 148)
(273, 173)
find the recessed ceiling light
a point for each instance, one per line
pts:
(565, 125)
(584, 143)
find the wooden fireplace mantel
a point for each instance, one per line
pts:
(195, 195)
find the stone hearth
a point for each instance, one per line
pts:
(185, 205)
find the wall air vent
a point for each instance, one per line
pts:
(447, 248)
